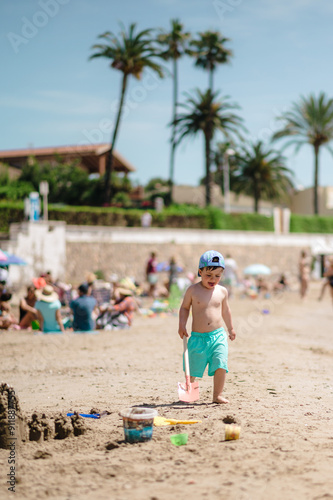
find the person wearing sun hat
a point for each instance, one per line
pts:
(125, 304)
(48, 308)
(120, 312)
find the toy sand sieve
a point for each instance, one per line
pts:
(232, 432)
(138, 424)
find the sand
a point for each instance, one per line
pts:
(280, 387)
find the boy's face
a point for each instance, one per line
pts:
(210, 278)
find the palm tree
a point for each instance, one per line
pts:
(175, 43)
(309, 122)
(205, 113)
(209, 51)
(131, 53)
(261, 173)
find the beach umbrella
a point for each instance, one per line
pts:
(3, 258)
(164, 266)
(12, 259)
(256, 270)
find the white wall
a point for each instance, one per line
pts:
(42, 245)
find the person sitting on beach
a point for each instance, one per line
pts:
(48, 308)
(7, 318)
(208, 341)
(120, 313)
(262, 286)
(125, 304)
(83, 308)
(28, 313)
(281, 284)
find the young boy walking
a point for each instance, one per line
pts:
(208, 344)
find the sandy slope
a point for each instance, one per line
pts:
(280, 388)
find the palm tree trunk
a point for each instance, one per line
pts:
(208, 174)
(211, 71)
(256, 196)
(256, 205)
(173, 133)
(108, 168)
(315, 188)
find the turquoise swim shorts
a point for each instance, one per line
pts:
(208, 349)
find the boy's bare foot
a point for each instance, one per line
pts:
(220, 400)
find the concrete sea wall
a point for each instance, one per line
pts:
(69, 252)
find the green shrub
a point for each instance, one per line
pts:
(10, 212)
(175, 216)
(237, 222)
(310, 224)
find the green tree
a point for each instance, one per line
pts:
(209, 51)
(155, 183)
(205, 113)
(12, 189)
(309, 121)
(130, 53)
(68, 182)
(261, 173)
(174, 43)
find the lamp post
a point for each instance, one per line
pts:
(44, 191)
(226, 179)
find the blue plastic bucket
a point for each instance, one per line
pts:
(138, 424)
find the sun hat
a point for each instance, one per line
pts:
(90, 277)
(47, 294)
(124, 291)
(211, 258)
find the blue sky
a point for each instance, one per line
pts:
(52, 95)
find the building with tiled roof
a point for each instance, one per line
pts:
(92, 157)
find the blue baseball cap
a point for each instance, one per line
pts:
(211, 258)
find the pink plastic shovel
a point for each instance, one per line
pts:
(187, 392)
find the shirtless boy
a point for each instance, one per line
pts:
(208, 344)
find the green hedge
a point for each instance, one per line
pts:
(238, 222)
(181, 216)
(177, 217)
(10, 212)
(310, 224)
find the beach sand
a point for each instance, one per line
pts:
(280, 387)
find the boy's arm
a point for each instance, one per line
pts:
(226, 315)
(184, 312)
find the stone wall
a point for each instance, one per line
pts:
(129, 259)
(69, 252)
(125, 251)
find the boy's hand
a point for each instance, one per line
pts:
(232, 334)
(182, 332)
